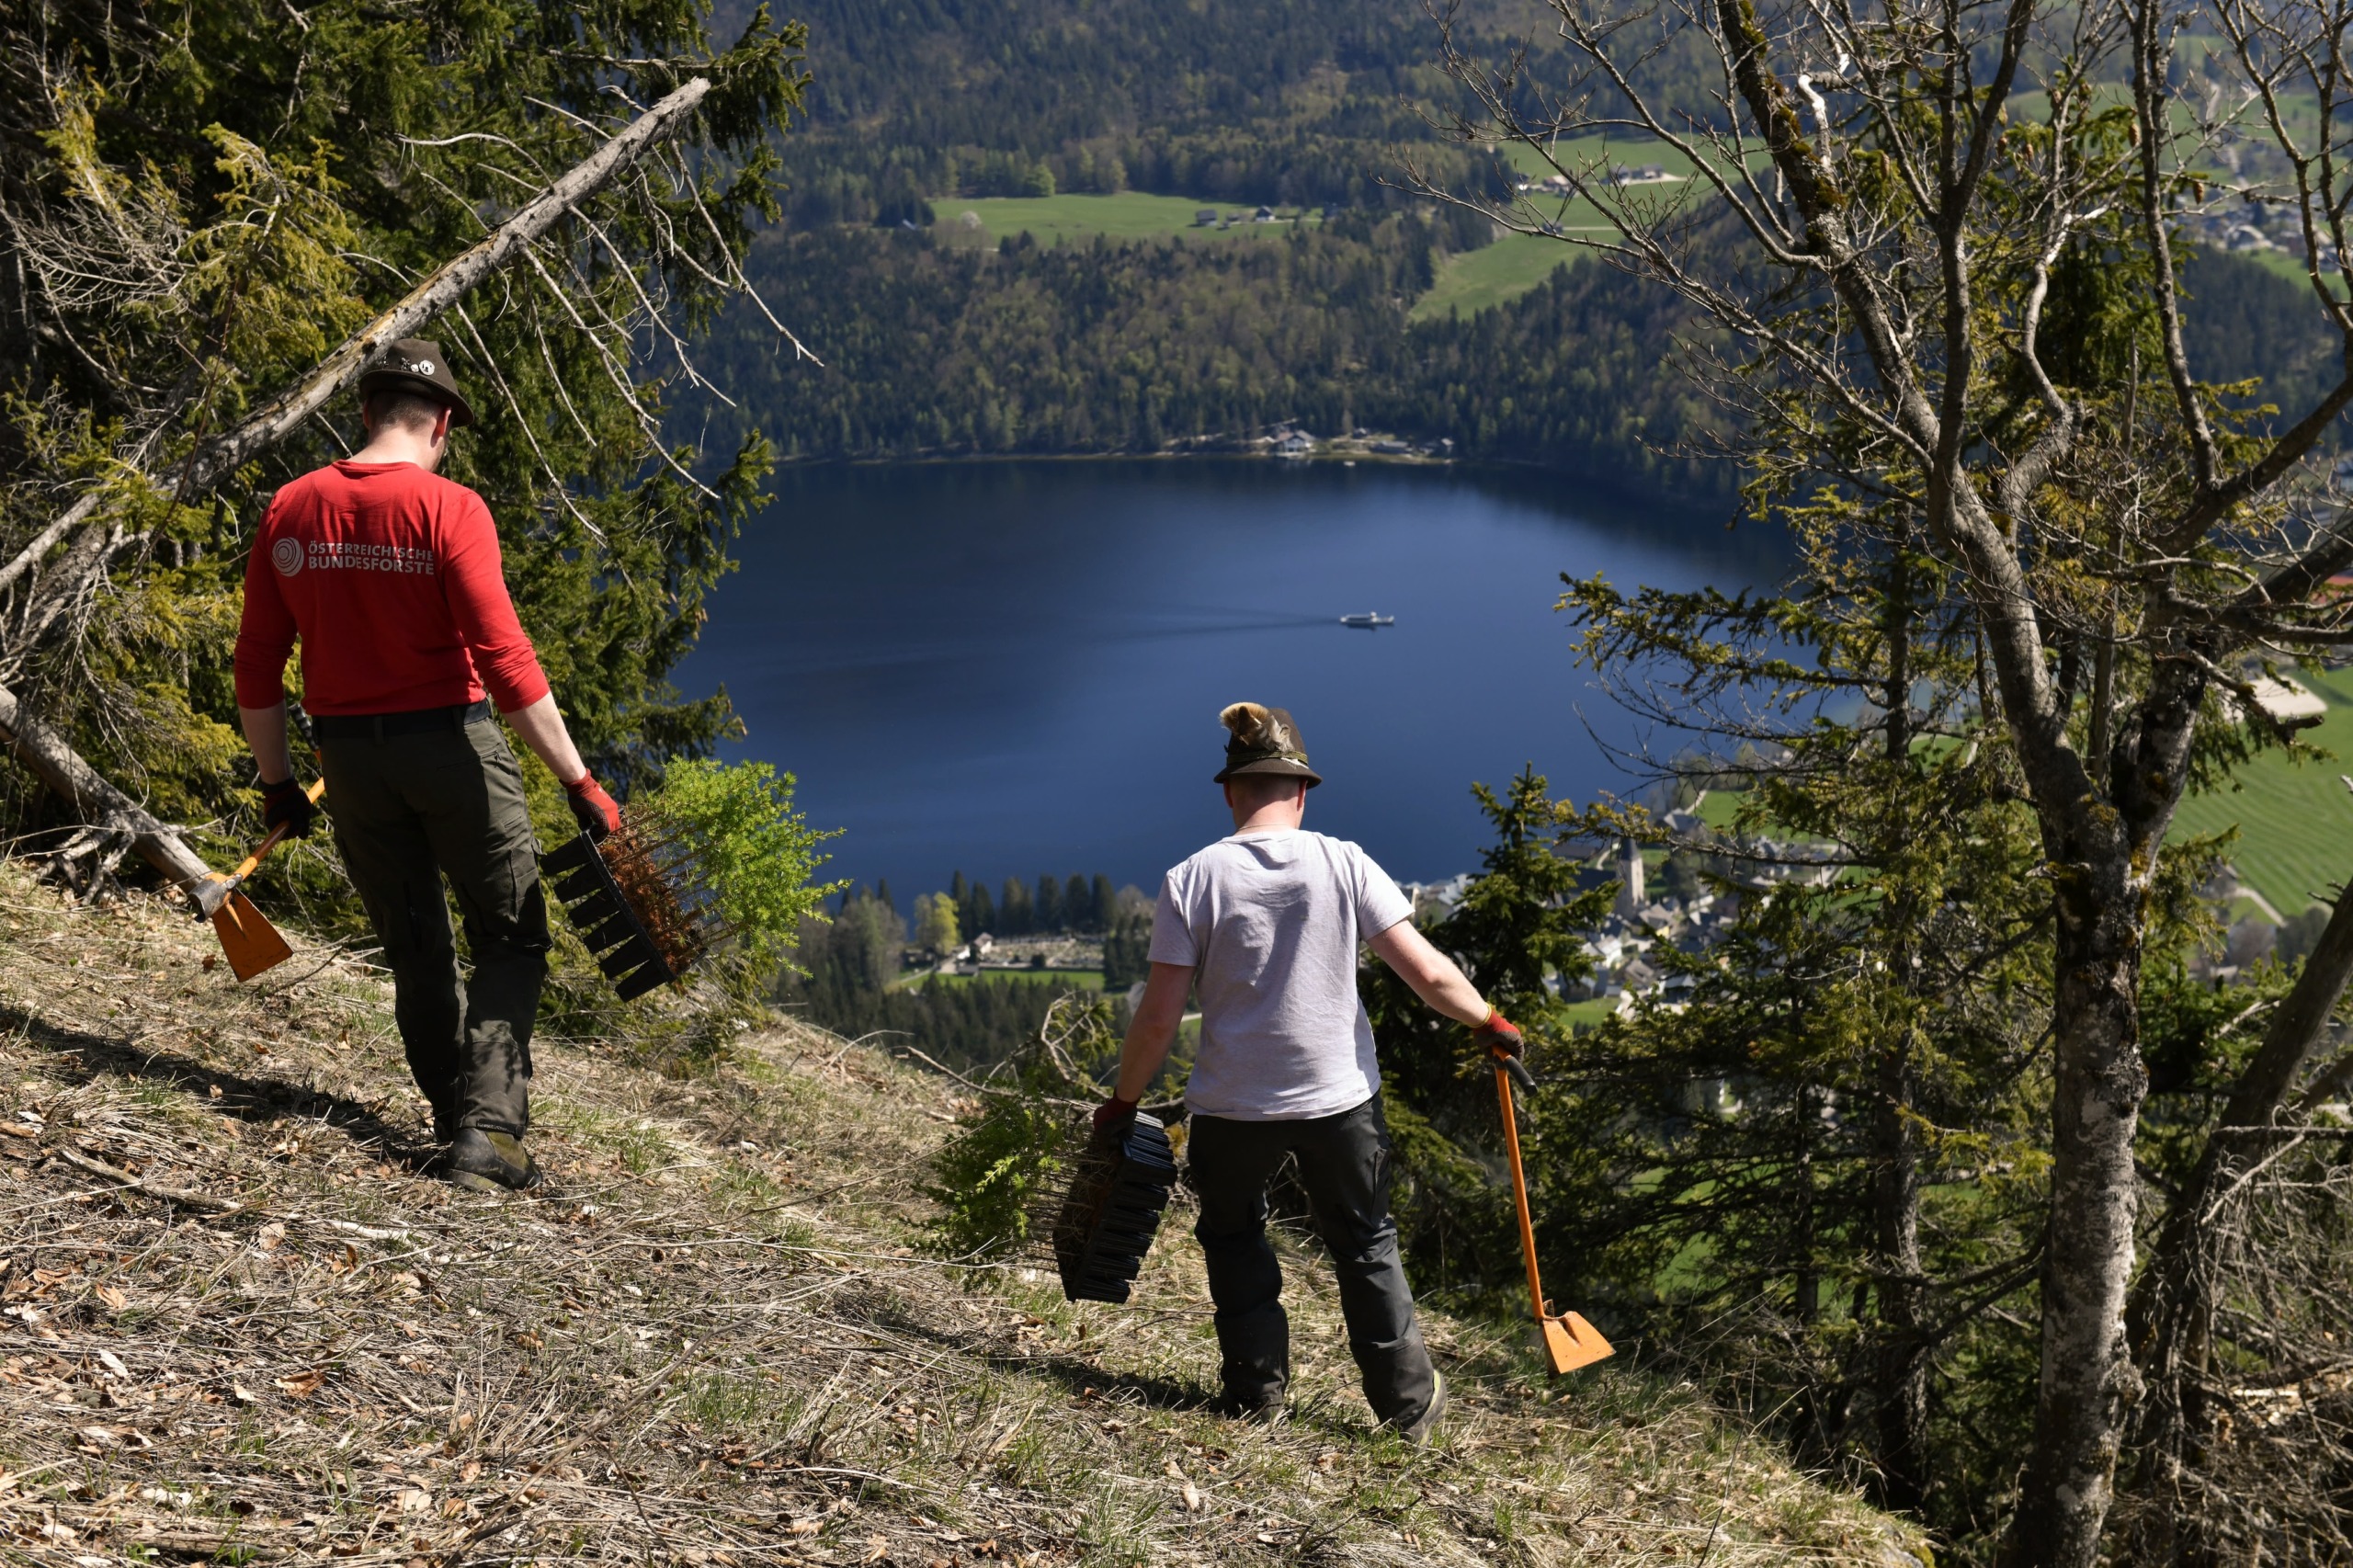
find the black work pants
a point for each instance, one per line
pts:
(408, 811)
(1344, 1165)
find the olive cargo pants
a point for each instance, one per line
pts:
(408, 811)
(1344, 1165)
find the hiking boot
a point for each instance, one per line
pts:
(485, 1162)
(1255, 1413)
(1422, 1430)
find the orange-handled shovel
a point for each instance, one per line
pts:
(248, 940)
(1569, 1340)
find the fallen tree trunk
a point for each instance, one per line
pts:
(59, 765)
(45, 752)
(277, 418)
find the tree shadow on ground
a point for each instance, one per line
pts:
(89, 1057)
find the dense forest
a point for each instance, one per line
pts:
(1221, 100)
(938, 348)
(935, 350)
(938, 342)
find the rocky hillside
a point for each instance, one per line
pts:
(240, 1325)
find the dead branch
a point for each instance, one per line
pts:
(278, 417)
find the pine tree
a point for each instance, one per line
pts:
(1047, 909)
(1127, 948)
(1078, 904)
(1518, 932)
(1019, 914)
(1102, 904)
(272, 187)
(1835, 1130)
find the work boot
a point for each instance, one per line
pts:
(1422, 1430)
(484, 1162)
(1255, 1413)
(445, 1126)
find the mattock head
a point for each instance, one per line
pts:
(1571, 1342)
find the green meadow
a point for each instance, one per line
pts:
(2293, 813)
(1069, 979)
(1474, 280)
(1127, 215)
(1466, 284)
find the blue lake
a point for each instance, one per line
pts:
(1015, 668)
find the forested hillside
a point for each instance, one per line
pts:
(1237, 102)
(937, 351)
(940, 342)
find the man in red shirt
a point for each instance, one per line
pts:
(388, 576)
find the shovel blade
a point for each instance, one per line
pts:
(1571, 1342)
(248, 940)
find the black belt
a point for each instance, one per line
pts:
(383, 726)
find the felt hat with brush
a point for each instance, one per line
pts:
(1263, 740)
(416, 365)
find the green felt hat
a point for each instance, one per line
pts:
(1263, 740)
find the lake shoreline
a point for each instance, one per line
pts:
(1613, 496)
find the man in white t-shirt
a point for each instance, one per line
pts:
(1264, 927)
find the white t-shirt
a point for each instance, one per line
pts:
(1269, 924)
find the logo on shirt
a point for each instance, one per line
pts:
(287, 556)
(336, 555)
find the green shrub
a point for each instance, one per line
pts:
(998, 1178)
(1008, 1161)
(755, 852)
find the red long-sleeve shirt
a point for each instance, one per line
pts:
(390, 577)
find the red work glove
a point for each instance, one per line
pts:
(1112, 1115)
(1500, 1035)
(592, 808)
(286, 802)
(1504, 1046)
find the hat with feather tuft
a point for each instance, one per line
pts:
(1263, 740)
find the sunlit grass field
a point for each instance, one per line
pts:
(1477, 280)
(1466, 284)
(1127, 215)
(2295, 818)
(1068, 978)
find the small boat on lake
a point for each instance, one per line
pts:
(1369, 619)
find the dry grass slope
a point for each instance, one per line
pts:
(240, 1327)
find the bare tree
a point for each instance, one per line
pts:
(1949, 240)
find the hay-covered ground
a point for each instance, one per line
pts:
(242, 1325)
